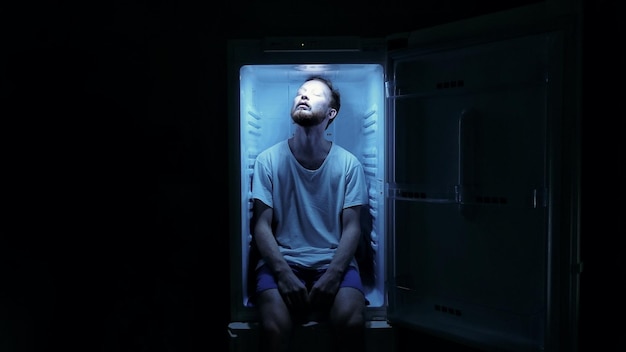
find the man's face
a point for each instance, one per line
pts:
(310, 105)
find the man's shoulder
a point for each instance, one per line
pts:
(345, 153)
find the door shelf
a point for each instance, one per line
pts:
(472, 196)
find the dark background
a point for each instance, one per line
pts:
(115, 165)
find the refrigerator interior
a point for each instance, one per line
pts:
(266, 92)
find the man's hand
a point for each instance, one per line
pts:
(323, 292)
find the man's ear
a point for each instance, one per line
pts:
(332, 113)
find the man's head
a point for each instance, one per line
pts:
(315, 101)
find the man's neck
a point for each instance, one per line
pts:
(309, 149)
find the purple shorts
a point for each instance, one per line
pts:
(265, 279)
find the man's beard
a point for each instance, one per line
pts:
(306, 118)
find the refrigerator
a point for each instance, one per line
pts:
(469, 137)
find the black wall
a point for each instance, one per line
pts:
(115, 166)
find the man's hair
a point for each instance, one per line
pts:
(335, 97)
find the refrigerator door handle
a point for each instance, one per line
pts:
(466, 156)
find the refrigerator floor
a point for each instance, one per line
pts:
(310, 337)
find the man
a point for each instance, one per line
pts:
(307, 195)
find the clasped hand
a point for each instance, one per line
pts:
(298, 297)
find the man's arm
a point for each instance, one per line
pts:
(265, 240)
(350, 238)
(324, 290)
(292, 290)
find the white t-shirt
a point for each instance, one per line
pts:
(307, 203)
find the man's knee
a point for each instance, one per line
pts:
(347, 318)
